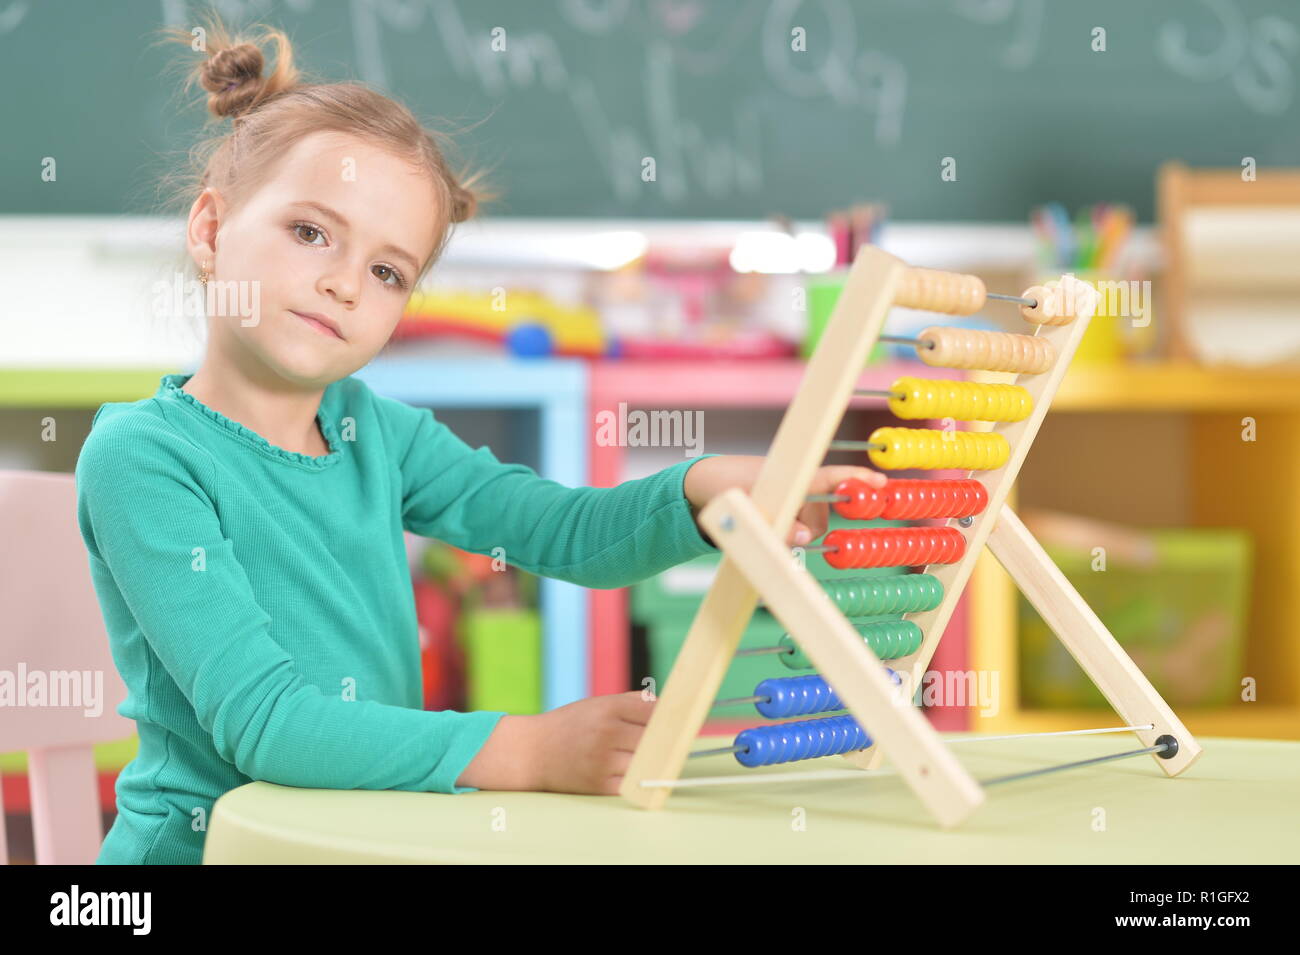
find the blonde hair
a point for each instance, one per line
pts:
(271, 113)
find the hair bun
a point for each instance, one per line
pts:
(463, 203)
(233, 77)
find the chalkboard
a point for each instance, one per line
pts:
(747, 109)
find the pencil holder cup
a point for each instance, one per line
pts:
(822, 292)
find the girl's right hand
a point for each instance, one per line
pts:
(584, 747)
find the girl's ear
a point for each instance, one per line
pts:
(206, 215)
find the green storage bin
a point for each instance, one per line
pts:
(503, 660)
(1180, 616)
(664, 640)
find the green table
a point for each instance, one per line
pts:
(1236, 804)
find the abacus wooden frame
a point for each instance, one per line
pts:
(756, 561)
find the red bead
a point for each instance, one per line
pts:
(910, 499)
(864, 502)
(894, 547)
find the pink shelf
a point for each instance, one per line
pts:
(718, 384)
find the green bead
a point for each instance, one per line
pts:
(794, 657)
(890, 640)
(879, 596)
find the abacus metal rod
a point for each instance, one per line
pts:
(986, 739)
(858, 446)
(927, 343)
(996, 780)
(1052, 733)
(1103, 729)
(720, 751)
(749, 779)
(1160, 747)
(741, 700)
(904, 340)
(1020, 300)
(761, 650)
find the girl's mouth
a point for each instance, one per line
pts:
(319, 326)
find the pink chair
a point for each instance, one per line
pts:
(50, 624)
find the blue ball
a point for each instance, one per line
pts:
(530, 340)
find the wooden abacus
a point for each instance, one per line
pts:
(750, 530)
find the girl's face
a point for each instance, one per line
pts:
(340, 232)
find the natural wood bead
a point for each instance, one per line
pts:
(1059, 301)
(988, 351)
(938, 291)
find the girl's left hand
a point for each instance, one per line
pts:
(712, 476)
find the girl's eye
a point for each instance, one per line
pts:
(398, 281)
(300, 227)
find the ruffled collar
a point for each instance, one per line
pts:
(170, 387)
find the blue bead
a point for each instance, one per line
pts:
(801, 695)
(764, 745)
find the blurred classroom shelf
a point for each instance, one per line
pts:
(1164, 446)
(1153, 444)
(1150, 444)
(130, 268)
(556, 391)
(75, 387)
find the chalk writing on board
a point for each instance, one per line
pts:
(12, 15)
(721, 162)
(1253, 55)
(1022, 50)
(714, 157)
(869, 80)
(723, 165)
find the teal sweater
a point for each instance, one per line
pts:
(259, 602)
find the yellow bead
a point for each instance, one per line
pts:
(934, 450)
(962, 400)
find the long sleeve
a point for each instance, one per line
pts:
(595, 537)
(149, 514)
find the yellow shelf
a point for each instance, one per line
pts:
(1178, 387)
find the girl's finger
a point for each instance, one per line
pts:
(816, 517)
(827, 477)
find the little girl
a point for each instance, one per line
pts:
(245, 524)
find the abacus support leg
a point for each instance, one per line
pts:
(1089, 642)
